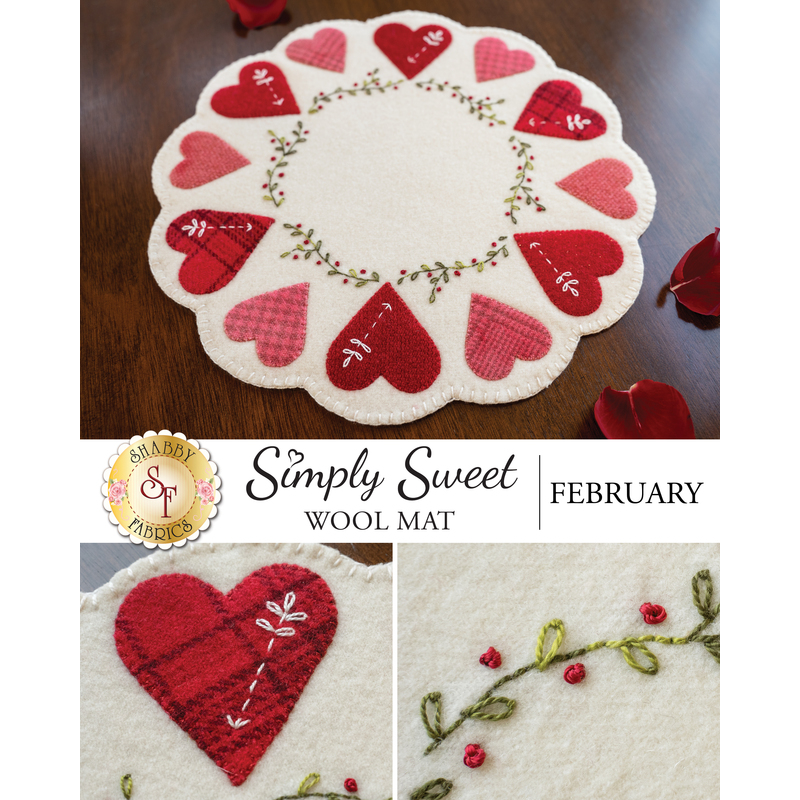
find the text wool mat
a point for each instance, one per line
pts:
(398, 213)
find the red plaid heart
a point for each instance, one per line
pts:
(498, 334)
(568, 264)
(555, 110)
(325, 50)
(412, 51)
(601, 185)
(207, 157)
(228, 669)
(384, 338)
(217, 244)
(276, 320)
(494, 60)
(262, 92)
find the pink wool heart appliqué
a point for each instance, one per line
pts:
(555, 110)
(206, 158)
(216, 243)
(262, 91)
(228, 668)
(277, 322)
(326, 50)
(494, 60)
(568, 264)
(498, 334)
(412, 51)
(601, 185)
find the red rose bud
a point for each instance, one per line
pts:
(574, 673)
(474, 755)
(695, 281)
(491, 658)
(350, 785)
(653, 614)
(648, 410)
(257, 13)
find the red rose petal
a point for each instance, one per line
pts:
(695, 281)
(256, 15)
(648, 410)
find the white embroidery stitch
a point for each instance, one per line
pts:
(358, 343)
(434, 39)
(577, 122)
(261, 79)
(569, 285)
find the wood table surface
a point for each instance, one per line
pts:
(144, 64)
(100, 562)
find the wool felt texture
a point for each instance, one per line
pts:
(617, 732)
(401, 170)
(167, 652)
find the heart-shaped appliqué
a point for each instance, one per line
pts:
(277, 322)
(411, 51)
(325, 50)
(601, 185)
(568, 264)
(555, 110)
(494, 60)
(228, 669)
(498, 334)
(262, 91)
(384, 339)
(206, 158)
(216, 243)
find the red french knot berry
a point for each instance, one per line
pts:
(487, 98)
(474, 260)
(535, 198)
(305, 241)
(446, 82)
(273, 158)
(494, 263)
(430, 274)
(350, 785)
(280, 174)
(394, 87)
(295, 255)
(428, 89)
(363, 272)
(345, 280)
(514, 147)
(305, 132)
(272, 140)
(339, 97)
(318, 263)
(264, 185)
(528, 179)
(494, 244)
(337, 263)
(574, 673)
(480, 108)
(280, 194)
(540, 209)
(454, 94)
(438, 288)
(377, 83)
(319, 108)
(369, 74)
(519, 167)
(491, 124)
(402, 272)
(470, 97)
(474, 755)
(299, 225)
(508, 213)
(652, 613)
(456, 272)
(518, 197)
(491, 658)
(355, 84)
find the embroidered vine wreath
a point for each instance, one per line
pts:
(400, 213)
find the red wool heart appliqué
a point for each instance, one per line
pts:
(326, 50)
(555, 110)
(217, 244)
(384, 339)
(601, 185)
(568, 264)
(262, 92)
(206, 158)
(494, 60)
(498, 334)
(228, 669)
(411, 51)
(277, 322)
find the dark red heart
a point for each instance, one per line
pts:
(384, 338)
(555, 110)
(568, 264)
(412, 51)
(216, 243)
(214, 666)
(262, 91)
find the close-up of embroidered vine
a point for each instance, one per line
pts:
(520, 186)
(702, 597)
(285, 149)
(369, 85)
(441, 272)
(477, 105)
(304, 790)
(309, 248)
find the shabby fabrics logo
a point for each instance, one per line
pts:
(161, 489)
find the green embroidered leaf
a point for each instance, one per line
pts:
(702, 581)
(310, 233)
(126, 784)
(283, 255)
(414, 276)
(432, 790)
(299, 247)
(432, 298)
(352, 272)
(308, 254)
(478, 711)
(362, 283)
(375, 276)
(434, 729)
(446, 278)
(630, 658)
(502, 238)
(332, 272)
(439, 264)
(398, 282)
(542, 660)
(308, 783)
(480, 266)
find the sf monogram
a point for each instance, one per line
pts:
(167, 492)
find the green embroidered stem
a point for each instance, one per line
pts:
(367, 87)
(527, 165)
(479, 106)
(126, 784)
(285, 151)
(424, 792)
(632, 649)
(440, 272)
(309, 247)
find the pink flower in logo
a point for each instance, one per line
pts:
(205, 491)
(117, 492)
